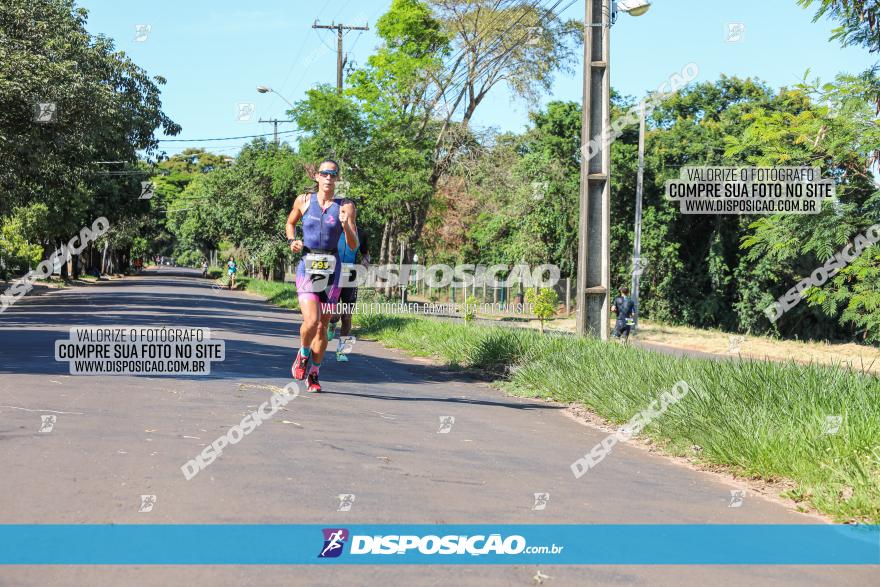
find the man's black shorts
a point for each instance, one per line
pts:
(348, 295)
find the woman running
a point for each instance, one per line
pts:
(232, 269)
(324, 220)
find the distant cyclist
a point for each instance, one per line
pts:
(324, 220)
(348, 295)
(231, 269)
(625, 308)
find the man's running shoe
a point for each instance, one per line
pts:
(300, 364)
(341, 357)
(331, 331)
(314, 385)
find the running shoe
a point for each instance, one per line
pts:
(331, 331)
(314, 385)
(341, 357)
(300, 364)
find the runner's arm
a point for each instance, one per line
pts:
(347, 215)
(295, 215)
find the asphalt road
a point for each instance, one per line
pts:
(373, 433)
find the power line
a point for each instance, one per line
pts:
(286, 132)
(275, 122)
(293, 64)
(372, 17)
(344, 6)
(354, 44)
(339, 32)
(321, 40)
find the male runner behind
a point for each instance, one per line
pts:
(348, 295)
(325, 219)
(625, 307)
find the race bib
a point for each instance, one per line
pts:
(317, 264)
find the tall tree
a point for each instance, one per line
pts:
(859, 20)
(417, 95)
(68, 101)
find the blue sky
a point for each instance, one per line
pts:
(214, 54)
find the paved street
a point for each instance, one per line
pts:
(373, 433)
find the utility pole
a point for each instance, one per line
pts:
(637, 238)
(594, 243)
(339, 62)
(275, 122)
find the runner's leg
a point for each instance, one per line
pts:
(347, 299)
(310, 307)
(311, 313)
(331, 328)
(319, 341)
(346, 324)
(318, 346)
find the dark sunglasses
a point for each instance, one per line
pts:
(328, 173)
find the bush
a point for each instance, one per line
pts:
(18, 242)
(470, 309)
(189, 259)
(544, 302)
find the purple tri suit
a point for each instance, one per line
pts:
(321, 232)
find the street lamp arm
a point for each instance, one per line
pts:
(285, 99)
(267, 89)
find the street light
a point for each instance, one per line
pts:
(637, 8)
(267, 89)
(633, 7)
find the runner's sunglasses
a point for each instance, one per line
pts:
(328, 173)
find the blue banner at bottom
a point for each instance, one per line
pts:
(600, 544)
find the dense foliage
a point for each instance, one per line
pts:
(69, 102)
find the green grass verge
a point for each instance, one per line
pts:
(278, 293)
(756, 419)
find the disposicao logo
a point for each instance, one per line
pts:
(334, 540)
(443, 545)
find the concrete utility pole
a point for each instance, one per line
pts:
(339, 62)
(275, 122)
(594, 243)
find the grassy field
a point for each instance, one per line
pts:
(773, 421)
(859, 356)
